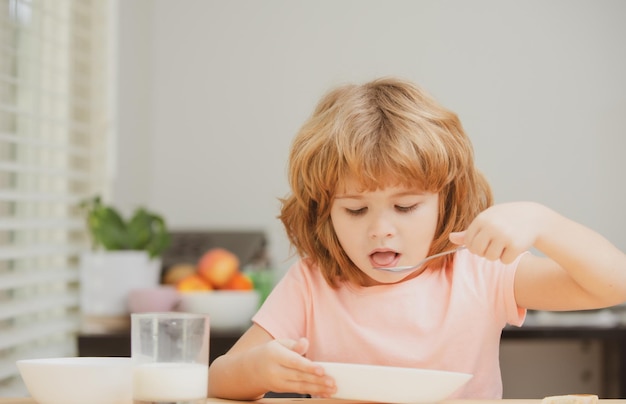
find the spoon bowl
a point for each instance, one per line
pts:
(419, 264)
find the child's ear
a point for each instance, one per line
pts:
(457, 237)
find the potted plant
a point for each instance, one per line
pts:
(126, 255)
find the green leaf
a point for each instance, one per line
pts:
(144, 231)
(139, 229)
(108, 228)
(160, 239)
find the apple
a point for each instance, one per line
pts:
(218, 266)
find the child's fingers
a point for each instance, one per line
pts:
(300, 374)
(310, 383)
(314, 389)
(300, 346)
(457, 237)
(294, 359)
(495, 250)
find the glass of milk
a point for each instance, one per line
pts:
(170, 355)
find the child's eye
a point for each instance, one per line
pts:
(406, 209)
(356, 212)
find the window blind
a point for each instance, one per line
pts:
(54, 132)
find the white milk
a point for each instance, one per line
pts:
(170, 381)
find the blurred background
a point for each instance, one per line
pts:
(209, 95)
(189, 107)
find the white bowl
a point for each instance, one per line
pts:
(228, 310)
(393, 384)
(78, 380)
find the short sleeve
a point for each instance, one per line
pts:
(515, 315)
(491, 283)
(282, 314)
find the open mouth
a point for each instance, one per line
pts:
(384, 258)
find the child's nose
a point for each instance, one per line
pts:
(381, 227)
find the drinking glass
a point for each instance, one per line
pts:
(170, 355)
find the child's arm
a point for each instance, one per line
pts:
(581, 270)
(257, 363)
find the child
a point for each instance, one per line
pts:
(381, 176)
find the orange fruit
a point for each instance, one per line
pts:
(192, 283)
(177, 272)
(239, 281)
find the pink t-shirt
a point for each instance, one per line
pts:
(442, 319)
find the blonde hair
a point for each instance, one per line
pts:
(384, 132)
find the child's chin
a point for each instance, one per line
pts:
(385, 278)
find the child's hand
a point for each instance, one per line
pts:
(284, 370)
(503, 231)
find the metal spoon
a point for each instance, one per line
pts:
(422, 262)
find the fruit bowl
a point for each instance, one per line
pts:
(78, 380)
(228, 310)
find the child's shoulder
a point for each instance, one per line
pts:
(305, 271)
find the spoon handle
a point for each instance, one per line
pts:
(459, 248)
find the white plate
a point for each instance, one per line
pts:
(393, 384)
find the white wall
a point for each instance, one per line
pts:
(212, 92)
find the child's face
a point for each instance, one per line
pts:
(387, 227)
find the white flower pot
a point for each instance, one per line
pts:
(107, 277)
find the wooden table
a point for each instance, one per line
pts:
(8, 400)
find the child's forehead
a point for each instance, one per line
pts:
(355, 185)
